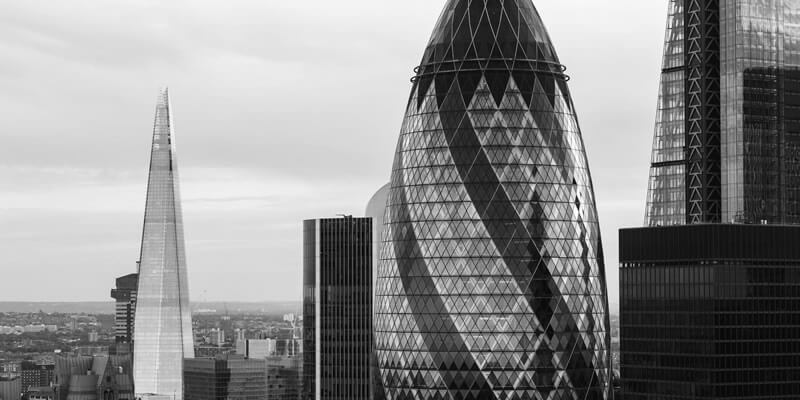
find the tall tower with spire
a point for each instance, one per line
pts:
(491, 283)
(163, 325)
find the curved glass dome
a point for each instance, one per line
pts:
(491, 283)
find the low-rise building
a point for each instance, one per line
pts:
(256, 348)
(40, 393)
(36, 374)
(10, 389)
(283, 377)
(223, 378)
(94, 378)
(217, 337)
(33, 328)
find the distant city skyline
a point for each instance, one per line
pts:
(258, 120)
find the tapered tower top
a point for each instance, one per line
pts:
(163, 327)
(495, 39)
(489, 29)
(163, 96)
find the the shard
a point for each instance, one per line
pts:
(163, 325)
(491, 283)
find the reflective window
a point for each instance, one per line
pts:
(491, 283)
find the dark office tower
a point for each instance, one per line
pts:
(709, 289)
(125, 296)
(491, 283)
(225, 378)
(710, 311)
(163, 324)
(727, 129)
(337, 309)
(283, 377)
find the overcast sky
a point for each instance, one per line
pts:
(283, 110)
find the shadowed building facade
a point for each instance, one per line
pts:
(225, 378)
(710, 311)
(93, 378)
(337, 309)
(125, 308)
(491, 283)
(163, 322)
(10, 389)
(709, 288)
(283, 377)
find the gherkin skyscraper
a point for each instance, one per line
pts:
(491, 282)
(163, 325)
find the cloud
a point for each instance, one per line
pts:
(83, 223)
(112, 34)
(284, 110)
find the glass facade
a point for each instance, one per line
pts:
(163, 322)
(727, 140)
(337, 309)
(710, 312)
(666, 197)
(283, 377)
(225, 379)
(761, 124)
(491, 283)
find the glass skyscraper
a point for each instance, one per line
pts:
(491, 283)
(710, 287)
(727, 139)
(337, 309)
(163, 323)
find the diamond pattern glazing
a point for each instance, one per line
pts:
(491, 282)
(163, 325)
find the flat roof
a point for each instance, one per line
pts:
(710, 242)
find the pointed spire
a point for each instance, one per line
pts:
(163, 97)
(163, 326)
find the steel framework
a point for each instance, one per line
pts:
(703, 156)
